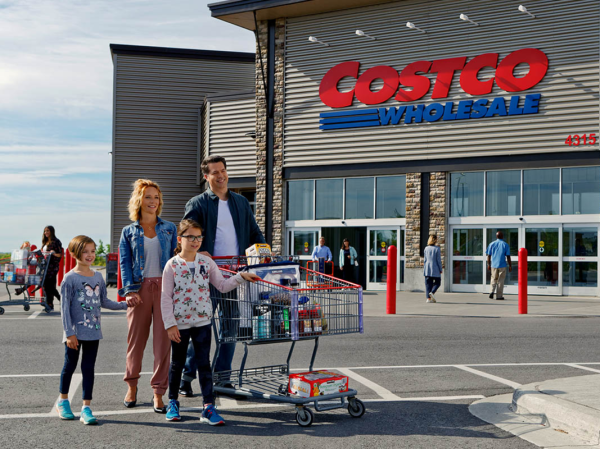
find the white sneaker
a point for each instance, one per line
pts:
(432, 298)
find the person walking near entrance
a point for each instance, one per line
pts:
(322, 251)
(348, 257)
(498, 254)
(432, 268)
(229, 228)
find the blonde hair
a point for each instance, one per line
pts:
(77, 245)
(184, 225)
(432, 239)
(135, 202)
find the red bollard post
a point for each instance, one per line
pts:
(392, 266)
(119, 280)
(67, 261)
(61, 268)
(522, 281)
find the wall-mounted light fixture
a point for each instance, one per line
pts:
(524, 10)
(466, 19)
(412, 26)
(314, 40)
(251, 134)
(362, 33)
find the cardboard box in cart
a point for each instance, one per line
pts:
(317, 383)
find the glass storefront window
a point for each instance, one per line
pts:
(580, 242)
(542, 274)
(468, 242)
(330, 200)
(541, 192)
(541, 242)
(580, 274)
(391, 197)
(381, 241)
(467, 272)
(581, 190)
(304, 242)
(466, 194)
(359, 197)
(300, 200)
(511, 236)
(503, 193)
(378, 272)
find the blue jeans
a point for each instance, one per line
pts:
(228, 314)
(88, 362)
(431, 285)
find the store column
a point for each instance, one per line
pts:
(269, 131)
(437, 212)
(413, 271)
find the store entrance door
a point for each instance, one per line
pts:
(380, 239)
(358, 239)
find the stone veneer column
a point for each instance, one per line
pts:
(261, 134)
(413, 223)
(437, 210)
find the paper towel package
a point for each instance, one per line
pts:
(317, 383)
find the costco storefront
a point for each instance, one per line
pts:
(384, 122)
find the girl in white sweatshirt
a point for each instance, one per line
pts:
(187, 310)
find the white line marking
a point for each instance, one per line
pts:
(142, 410)
(75, 382)
(574, 365)
(510, 383)
(226, 403)
(382, 392)
(34, 315)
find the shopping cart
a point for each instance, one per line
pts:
(21, 275)
(309, 307)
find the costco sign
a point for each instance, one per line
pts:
(413, 77)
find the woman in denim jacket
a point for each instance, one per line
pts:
(145, 247)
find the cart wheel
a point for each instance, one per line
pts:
(26, 307)
(304, 417)
(1, 311)
(356, 407)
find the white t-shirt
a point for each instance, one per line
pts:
(226, 243)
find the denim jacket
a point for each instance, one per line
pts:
(131, 252)
(204, 209)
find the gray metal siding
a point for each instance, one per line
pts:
(226, 123)
(567, 31)
(156, 125)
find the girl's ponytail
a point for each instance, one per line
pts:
(184, 225)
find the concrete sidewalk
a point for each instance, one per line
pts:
(559, 413)
(479, 305)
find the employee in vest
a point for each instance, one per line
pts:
(498, 254)
(229, 228)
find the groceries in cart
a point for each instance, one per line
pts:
(258, 253)
(317, 383)
(280, 273)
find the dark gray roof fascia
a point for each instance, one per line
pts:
(168, 52)
(238, 6)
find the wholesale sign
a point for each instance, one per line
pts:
(413, 76)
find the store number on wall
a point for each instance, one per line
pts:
(575, 140)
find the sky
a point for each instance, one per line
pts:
(56, 82)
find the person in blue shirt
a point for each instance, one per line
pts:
(432, 268)
(322, 251)
(498, 258)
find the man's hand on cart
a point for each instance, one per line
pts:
(72, 342)
(250, 277)
(173, 334)
(133, 299)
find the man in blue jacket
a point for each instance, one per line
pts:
(229, 228)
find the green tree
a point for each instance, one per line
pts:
(101, 248)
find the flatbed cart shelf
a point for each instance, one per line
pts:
(35, 275)
(308, 308)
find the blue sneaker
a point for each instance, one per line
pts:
(173, 411)
(87, 418)
(210, 416)
(64, 410)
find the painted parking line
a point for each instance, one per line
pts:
(34, 315)
(501, 380)
(586, 368)
(382, 392)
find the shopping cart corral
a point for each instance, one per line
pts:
(25, 277)
(303, 305)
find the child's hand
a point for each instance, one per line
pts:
(173, 334)
(133, 299)
(131, 302)
(72, 342)
(250, 277)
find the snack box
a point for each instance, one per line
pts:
(258, 253)
(317, 383)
